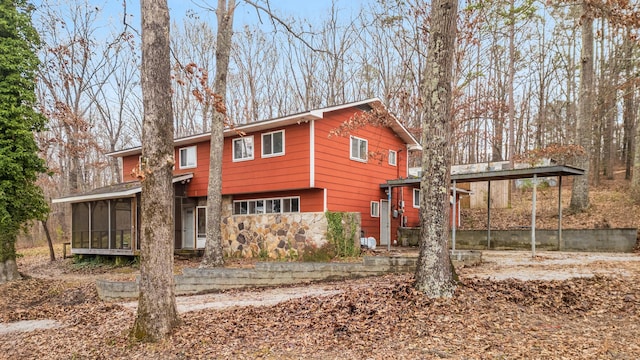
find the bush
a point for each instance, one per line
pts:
(341, 232)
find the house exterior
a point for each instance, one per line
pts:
(275, 171)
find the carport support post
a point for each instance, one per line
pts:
(533, 216)
(489, 215)
(455, 217)
(388, 227)
(560, 244)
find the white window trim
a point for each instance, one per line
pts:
(375, 205)
(196, 218)
(352, 138)
(262, 144)
(264, 202)
(233, 148)
(195, 157)
(416, 192)
(395, 158)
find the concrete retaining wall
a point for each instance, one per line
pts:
(598, 240)
(194, 281)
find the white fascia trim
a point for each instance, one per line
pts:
(115, 194)
(312, 154)
(320, 112)
(111, 195)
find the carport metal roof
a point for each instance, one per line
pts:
(511, 174)
(495, 175)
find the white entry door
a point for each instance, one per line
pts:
(385, 222)
(188, 221)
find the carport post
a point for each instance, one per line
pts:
(489, 215)
(388, 227)
(455, 217)
(560, 245)
(533, 216)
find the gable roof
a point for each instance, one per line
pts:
(298, 118)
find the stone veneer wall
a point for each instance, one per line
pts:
(276, 236)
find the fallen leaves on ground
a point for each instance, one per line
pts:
(376, 318)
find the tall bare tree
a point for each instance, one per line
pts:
(157, 314)
(434, 273)
(213, 255)
(580, 189)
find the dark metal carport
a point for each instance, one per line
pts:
(511, 174)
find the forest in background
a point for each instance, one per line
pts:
(516, 76)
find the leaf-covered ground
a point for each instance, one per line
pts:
(595, 317)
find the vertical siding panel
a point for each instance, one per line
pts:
(290, 171)
(353, 184)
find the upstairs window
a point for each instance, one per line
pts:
(416, 198)
(188, 156)
(359, 149)
(273, 144)
(393, 158)
(243, 148)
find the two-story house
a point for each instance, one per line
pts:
(284, 166)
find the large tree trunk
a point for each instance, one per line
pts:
(213, 255)
(8, 266)
(157, 314)
(580, 189)
(629, 108)
(434, 274)
(9, 271)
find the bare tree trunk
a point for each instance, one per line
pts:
(629, 108)
(213, 255)
(580, 189)
(52, 255)
(512, 72)
(157, 314)
(434, 273)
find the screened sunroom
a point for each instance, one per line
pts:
(106, 221)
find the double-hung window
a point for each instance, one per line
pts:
(243, 148)
(359, 149)
(416, 198)
(375, 209)
(188, 156)
(393, 158)
(273, 144)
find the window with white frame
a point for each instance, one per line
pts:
(266, 206)
(416, 198)
(188, 156)
(393, 158)
(375, 209)
(243, 148)
(359, 148)
(273, 144)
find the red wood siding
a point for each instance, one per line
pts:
(289, 171)
(129, 163)
(351, 184)
(413, 214)
(200, 181)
